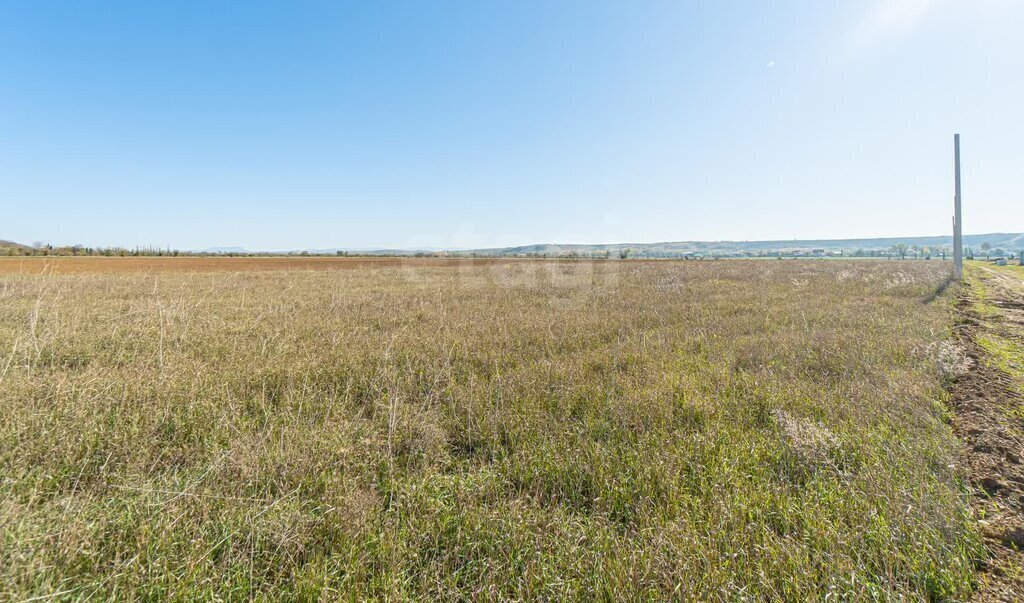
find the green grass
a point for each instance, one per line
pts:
(699, 430)
(1001, 341)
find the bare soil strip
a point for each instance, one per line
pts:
(989, 418)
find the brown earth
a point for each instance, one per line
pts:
(989, 420)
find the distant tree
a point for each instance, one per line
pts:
(986, 247)
(900, 249)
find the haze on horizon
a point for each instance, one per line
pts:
(472, 125)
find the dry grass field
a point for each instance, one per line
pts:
(93, 264)
(762, 430)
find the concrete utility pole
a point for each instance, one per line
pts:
(958, 247)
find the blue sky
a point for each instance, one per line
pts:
(284, 125)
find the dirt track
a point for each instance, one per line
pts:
(988, 407)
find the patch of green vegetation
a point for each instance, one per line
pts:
(1006, 355)
(980, 299)
(1000, 339)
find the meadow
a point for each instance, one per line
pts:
(517, 430)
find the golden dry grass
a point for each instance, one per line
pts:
(608, 430)
(43, 265)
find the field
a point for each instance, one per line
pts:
(735, 430)
(94, 264)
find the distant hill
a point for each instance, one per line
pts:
(9, 247)
(1008, 242)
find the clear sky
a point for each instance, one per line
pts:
(290, 125)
